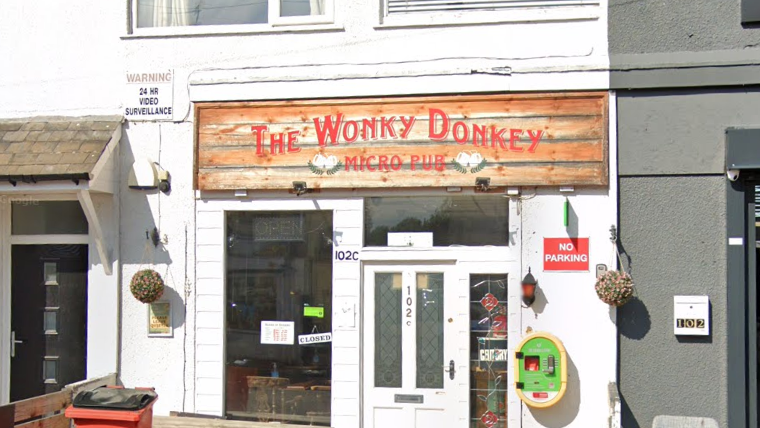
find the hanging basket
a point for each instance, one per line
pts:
(614, 287)
(147, 286)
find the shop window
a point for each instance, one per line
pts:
(47, 218)
(453, 220)
(185, 13)
(279, 286)
(489, 359)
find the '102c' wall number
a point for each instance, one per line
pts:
(347, 256)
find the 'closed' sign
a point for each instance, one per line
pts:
(566, 254)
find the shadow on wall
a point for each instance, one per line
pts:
(539, 304)
(572, 221)
(137, 217)
(634, 321)
(178, 308)
(137, 221)
(626, 414)
(566, 410)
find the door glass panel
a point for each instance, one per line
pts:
(50, 320)
(47, 218)
(51, 273)
(488, 349)
(388, 330)
(429, 330)
(50, 370)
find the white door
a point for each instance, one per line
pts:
(413, 368)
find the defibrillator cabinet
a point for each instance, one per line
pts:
(540, 370)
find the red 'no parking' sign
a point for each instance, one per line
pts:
(566, 254)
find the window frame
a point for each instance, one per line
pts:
(538, 10)
(275, 23)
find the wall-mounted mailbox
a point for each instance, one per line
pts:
(540, 370)
(691, 315)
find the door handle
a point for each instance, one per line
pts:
(451, 370)
(14, 342)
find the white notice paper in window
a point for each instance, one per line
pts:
(277, 332)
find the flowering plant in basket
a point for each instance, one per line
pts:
(147, 286)
(614, 287)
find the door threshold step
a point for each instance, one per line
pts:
(182, 422)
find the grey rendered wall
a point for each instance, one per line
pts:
(646, 26)
(673, 234)
(672, 230)
(681, 132)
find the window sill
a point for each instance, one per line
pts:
(576, 12)
(229, 30)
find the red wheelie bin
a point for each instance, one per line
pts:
(113, 407)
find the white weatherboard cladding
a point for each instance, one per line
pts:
(348, 224)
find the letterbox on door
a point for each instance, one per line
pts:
(540, 370)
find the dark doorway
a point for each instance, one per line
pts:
(48, 318)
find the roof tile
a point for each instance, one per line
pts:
(101, 135)
(29, 169)
(19, 148)
(15, 136)
(34, 135)
(80, 125)
(56, 126)
(33, 126)
(104, 126)
(48, 158)
(73, 158)
(24, 159)
(67, 147)
(43, 147)
(10, 126)
(54, 169)
(77, 169)
(45, 136)
(8, 169)
(53, 146)
(63, 135)
(92, 147)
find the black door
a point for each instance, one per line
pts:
(48, 318)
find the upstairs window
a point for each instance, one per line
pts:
(443, 12)
(405, 6)
(186, 13)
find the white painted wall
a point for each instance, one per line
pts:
(60, 58)
(566, 303)
(163, 363)
(103, 292)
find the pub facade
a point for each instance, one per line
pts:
(349, 204)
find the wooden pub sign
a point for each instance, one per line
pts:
(515, 140)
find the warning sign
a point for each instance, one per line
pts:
(566, 254)
(149, 95)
